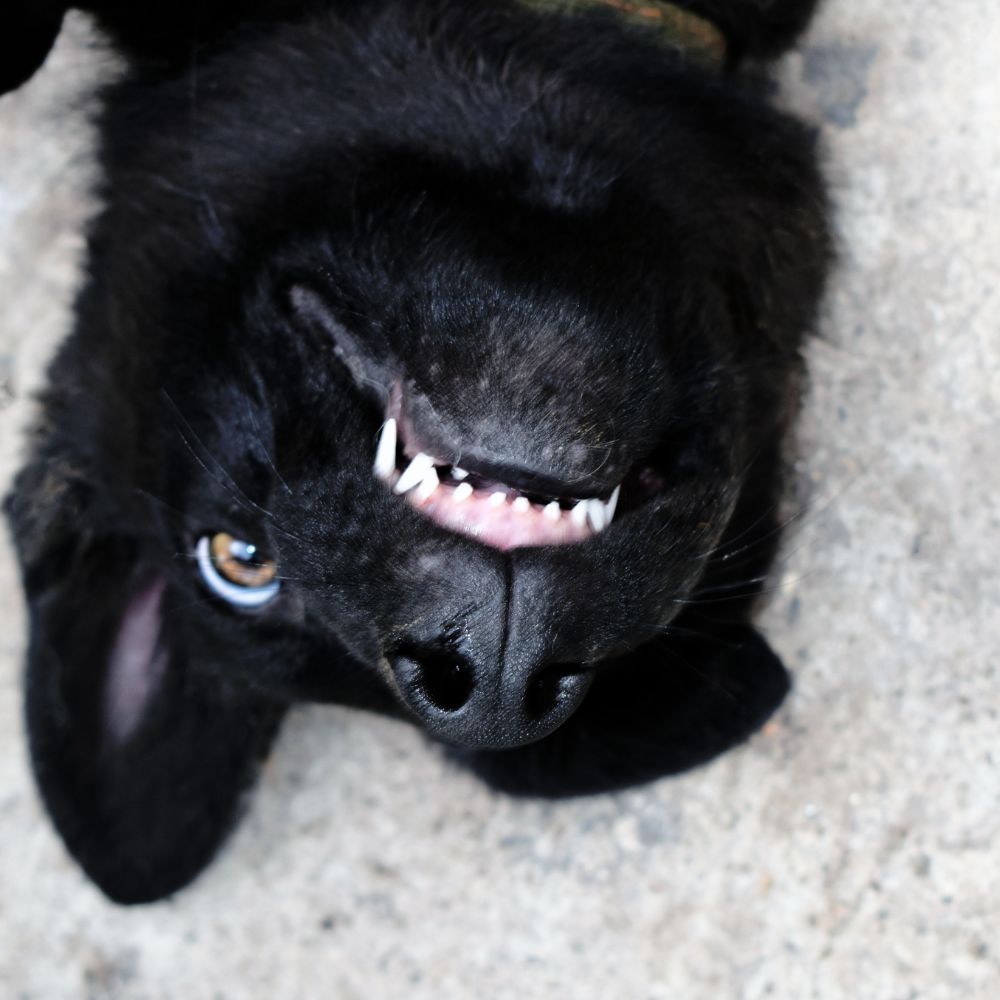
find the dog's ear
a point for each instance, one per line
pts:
(142, 752)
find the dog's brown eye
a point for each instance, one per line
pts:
(240, 562)
(236, 570)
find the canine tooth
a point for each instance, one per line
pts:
(612, 505)
(522, 505)
(428, 485)
(385, 454)
(414, 473)
(498, 498)
(553, 511)
(578, 515)
(457, 473)
(595, 514)
(462, 492)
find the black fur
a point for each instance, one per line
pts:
(577, 250)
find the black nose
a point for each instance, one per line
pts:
(469, 705)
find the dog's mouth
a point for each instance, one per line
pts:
(502, 512)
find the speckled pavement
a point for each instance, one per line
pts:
(851, 850)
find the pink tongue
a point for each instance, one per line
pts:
(501, 526)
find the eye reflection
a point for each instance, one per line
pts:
(235, 570)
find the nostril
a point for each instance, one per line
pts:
(447, 683)
(551, 687)
(442, 676)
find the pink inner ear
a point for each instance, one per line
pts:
(136, 663)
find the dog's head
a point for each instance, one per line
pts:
(446, 376)
(425, 361)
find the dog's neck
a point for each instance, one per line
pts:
(674, 27)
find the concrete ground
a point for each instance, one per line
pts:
(851, 850)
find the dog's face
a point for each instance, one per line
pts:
(476, 444)
(464, 414)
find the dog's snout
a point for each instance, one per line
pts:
(480, 704)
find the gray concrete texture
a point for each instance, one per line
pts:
(850, 850)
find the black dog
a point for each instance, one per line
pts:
(545, 266)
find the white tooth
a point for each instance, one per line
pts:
(462, 492)
(578, 515)
(611, 505)
(522, 505)
(427, 485)
(553, 511)
(457, 473)
(414, 473)
(595, 514)
(385, 454)
(498, 498)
